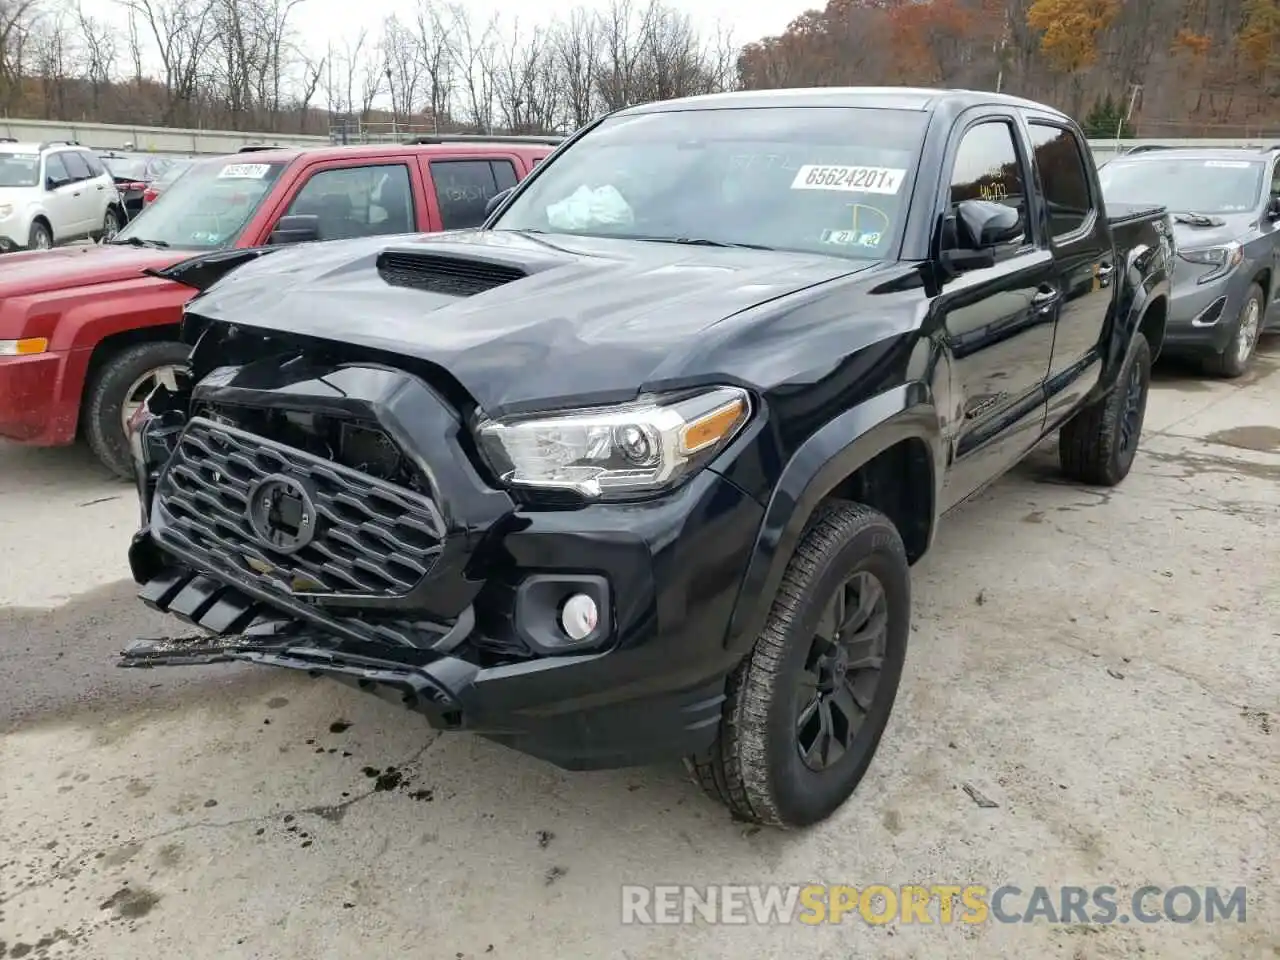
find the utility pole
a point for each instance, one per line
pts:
(1128, 114)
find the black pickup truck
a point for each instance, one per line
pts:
(638, 469)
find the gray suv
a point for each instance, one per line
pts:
(1225, 205)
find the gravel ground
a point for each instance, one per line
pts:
(1101, 666)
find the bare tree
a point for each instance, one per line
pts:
(98, 45)
(403, 68)
(575, 44)
(474, 52)
(180, 30)
(16, 20)
(437, 60)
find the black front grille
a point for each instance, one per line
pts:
(448, 275)
(370, 538)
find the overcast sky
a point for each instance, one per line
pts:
(317, 22)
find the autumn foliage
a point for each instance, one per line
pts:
(1193, 67)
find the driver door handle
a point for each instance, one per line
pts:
(1046, 297)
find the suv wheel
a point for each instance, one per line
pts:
(807, 706)
(40, 237)
(1234, 360)
(110, 224)
(1097, 446)
(116, 391)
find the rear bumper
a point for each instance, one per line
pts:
(652, 689)
(33, 406)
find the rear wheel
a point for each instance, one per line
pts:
(1235, 359)
(110, 224)
(1097, 446)
(807, 707)
(118, 389)
(40, 237)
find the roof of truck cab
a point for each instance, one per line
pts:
(922, 99)
(372, 150)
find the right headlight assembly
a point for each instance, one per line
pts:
(616, 452)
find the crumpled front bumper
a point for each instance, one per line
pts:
(668, 569)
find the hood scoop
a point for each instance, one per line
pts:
(449, 275)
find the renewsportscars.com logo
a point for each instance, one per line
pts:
(927, 904)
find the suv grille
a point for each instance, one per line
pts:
(291, 523)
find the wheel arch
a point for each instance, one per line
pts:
(111, 345)
(886, 453)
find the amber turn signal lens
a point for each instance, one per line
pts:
(713, 426)
(23, 348)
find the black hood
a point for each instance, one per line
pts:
(519, 320)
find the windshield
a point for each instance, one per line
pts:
(817, 179)
(171, 173)
(1185, 184)
(19, 169)
(206, 208)
(126, 168)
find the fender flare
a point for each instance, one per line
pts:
(1130, 311)
(830, 455)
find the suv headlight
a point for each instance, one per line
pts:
(1223, 258)
(5, 210)
(618, 451)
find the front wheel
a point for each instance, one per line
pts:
(807, 706)
(119, 387)
(40, 237)
(1234, 360)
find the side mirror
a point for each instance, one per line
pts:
(56, 183)
(496, 201)
(981, 226)
(1273, 208)
(298, 228)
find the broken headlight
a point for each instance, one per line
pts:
(617, 451)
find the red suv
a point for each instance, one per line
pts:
(86, 332)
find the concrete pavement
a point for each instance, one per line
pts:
(1101, 665)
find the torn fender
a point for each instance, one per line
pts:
(204, 270)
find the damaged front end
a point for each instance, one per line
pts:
(282, 516)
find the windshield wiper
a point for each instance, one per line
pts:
(1197, 219)
(139, 242)
(700, 242)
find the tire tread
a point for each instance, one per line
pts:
(736, 772)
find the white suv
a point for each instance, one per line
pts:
(54, 192)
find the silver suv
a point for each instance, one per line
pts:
(54, 192)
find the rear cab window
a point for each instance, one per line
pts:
(1063, 180)
(464, 186)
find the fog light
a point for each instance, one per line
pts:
(579, 616)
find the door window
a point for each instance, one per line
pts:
(54, 169)
(1066, 187)
(96, 169)
(464, 187)
(358, 201)
(1275, 180)
(987, 168)
(77, 169)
